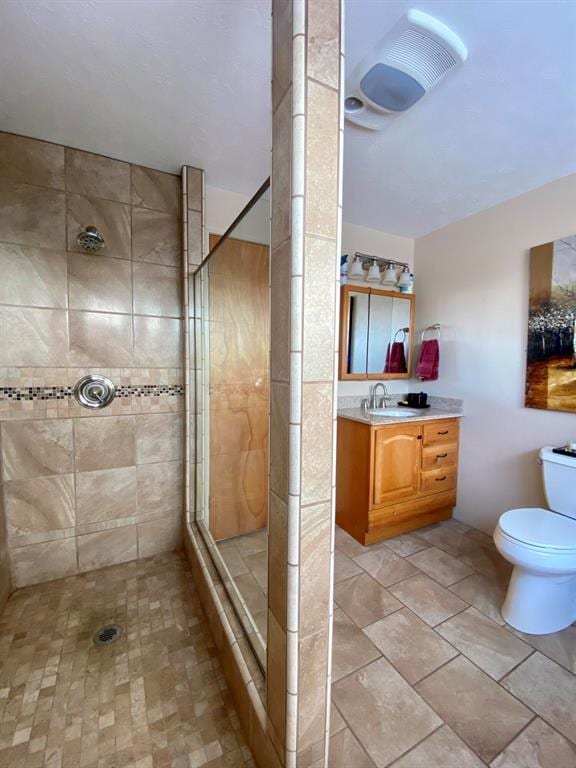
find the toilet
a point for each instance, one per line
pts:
(541, 545)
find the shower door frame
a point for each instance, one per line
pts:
(201, 507)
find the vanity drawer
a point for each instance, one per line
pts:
(395, 513)
(440, 432)
(436, 480)
(435, 456)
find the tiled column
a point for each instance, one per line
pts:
(306, 171)
(193, 250)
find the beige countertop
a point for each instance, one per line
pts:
(427, 414)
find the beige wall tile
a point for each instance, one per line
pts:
(106, 494)
(315, 523)
(43, 562)
(97, 550)
(322, 161)
(157, 342)
(195, 248)
(159, 437)
(156, 237)
(110, 218)
(316, 471)
(97, 176)
(278, 553)
(33, 337)
(158, 536)
(194, 189)
(276, 677)
(37, 448)
(100, 339)
(99, 284)
(34, 277)
(280, 317)
(39, 506)
(323, 39)
(279, 405)
(155, 189)
(157, 290)
(104, 443)
(160, 488)
(320, 261)
(281, 172)
(312, 674)
(30, 161)
(282, 46)
(32, 215)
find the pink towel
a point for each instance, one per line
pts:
(429, 360)
(395, 358)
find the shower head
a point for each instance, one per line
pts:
(90, 239)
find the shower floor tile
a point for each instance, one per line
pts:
(154, 698)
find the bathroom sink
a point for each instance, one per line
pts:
(394, 413)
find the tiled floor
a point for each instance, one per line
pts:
(156, 698)
(426, 672)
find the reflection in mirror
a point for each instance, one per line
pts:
(379, 332)
(358, 332)
(376, 334)
(234, 343)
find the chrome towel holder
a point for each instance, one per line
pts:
(435, 328)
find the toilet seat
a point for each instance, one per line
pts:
(539, 529)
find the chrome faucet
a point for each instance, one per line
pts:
(385, 396)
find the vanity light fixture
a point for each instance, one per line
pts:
(404, 280)
(356, 269)
(373, 275)
(390, 277)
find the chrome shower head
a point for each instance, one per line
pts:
(90, 239)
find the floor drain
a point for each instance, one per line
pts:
(107, 634)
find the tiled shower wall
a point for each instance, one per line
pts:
(86, 489)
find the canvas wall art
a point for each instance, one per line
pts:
(551, 354)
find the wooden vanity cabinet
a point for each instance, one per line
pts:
(393, 478)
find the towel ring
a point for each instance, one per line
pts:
(433, 328)
(404, 331)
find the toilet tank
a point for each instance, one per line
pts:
(559, 473)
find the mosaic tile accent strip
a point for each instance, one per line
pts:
(63, 393)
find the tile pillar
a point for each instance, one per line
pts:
(305, 253)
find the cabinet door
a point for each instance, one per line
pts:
(396, 463)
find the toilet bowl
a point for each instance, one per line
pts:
(541, 545)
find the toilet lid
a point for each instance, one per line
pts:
(540, 528)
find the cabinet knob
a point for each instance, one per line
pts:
(441, 455)
(443, 433)
(419, 437)
(440, 479)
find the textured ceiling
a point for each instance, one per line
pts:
(167, 82)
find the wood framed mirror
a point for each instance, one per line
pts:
(376, 333)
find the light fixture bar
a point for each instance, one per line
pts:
(368, 259)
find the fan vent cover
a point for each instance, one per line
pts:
(411, 60)
(423, 55)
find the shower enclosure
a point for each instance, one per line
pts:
(232, 346)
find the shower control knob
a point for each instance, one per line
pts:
(94, 391)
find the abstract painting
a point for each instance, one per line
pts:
(551, 354)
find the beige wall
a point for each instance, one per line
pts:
(83, 490)
(472, 277)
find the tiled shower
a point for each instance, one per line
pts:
(86, 489)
